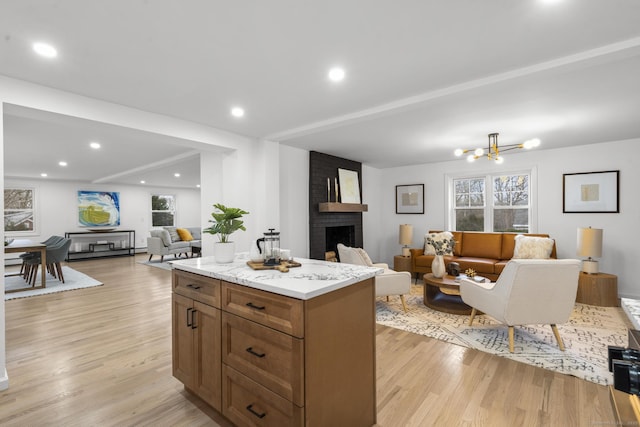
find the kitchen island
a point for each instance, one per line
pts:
(264, 347)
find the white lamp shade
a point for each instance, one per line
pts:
(590, 242)
(406, 234)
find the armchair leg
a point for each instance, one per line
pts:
(473, 314)
(150, 256)
(557, 334)
(404, 304)
(511, 345)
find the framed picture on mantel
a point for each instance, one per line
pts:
(410, 199)
(349, 186)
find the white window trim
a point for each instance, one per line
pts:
(488, 220)
(175, 208)
(36, 212)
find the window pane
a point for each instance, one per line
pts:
(162, 203)
(477, 199)
(502, 199)
(160, 219)
(18, 220)
(462, 185)
(511, 220)
(476, 186)
(470, 219)
(15, 198)
(462, 200)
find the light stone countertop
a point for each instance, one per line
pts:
(312, 279)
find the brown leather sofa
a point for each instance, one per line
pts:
(486, 253)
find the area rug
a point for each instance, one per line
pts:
(73, 279)
(586, 335)
(163, 265)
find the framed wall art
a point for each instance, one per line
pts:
(591, 192)
(349, 186)
(410, 199)
(98, 208)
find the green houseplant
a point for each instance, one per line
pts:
(225, 221)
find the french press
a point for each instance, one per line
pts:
(271, 247)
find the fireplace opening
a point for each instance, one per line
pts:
(345, 234)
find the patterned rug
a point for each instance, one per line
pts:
(586, 335)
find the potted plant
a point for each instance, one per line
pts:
(225, 221)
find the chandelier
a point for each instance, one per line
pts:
(493, 151)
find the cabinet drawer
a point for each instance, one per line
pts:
(271, 358)
(247, 403)
(276, 311)
(197, 287)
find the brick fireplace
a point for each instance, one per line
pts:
(327, 229)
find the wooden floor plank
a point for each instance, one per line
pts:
(102, 356)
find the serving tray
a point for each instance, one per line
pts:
(283, 267)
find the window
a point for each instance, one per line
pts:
(495, 202)
(163, 210)
(19, 210)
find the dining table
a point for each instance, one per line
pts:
(24, 245)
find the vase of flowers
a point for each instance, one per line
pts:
(443, 244)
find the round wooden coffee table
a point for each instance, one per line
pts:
(444, 295)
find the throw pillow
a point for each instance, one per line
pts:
(429, 249)
(185, 235)
(163, 235)
(175, 237)
(529, 247)
(364, 256)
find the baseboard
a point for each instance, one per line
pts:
(4, 381)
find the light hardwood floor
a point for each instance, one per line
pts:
(102, 357)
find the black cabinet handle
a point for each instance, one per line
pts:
(193, 319)
(192, 286)
(250, 409)
(189, 317)
(256, 307)
(250, 350)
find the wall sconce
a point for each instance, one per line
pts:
(406, 238)
(590, 245)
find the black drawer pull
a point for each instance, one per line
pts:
(257, 307)
(250, 409)
(193, 286)
(193, 319)
(250, 350)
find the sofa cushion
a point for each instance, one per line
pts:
(479, 265)
(509, 244)
(179, 245)
(529, 247)
(482, 245)
(175, 237)
(185, 235)
(163, 235)
(196, 232)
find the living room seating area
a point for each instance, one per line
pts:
(174, 241)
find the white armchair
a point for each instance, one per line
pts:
(528, 291)
(390, 282)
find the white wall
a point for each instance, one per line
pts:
(57, 207)
(621, 231)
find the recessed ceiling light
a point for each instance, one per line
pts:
(44, 175)
(197, 185)
(336, 74)
(237, 112)
(177, 175)
(63, 163)
(142, 182)
(44, 49)
(94, 145)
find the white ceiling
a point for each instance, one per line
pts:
(423, 77)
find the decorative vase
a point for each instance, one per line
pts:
(224, 252)
(437, 266)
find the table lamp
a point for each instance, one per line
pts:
(406, 238)
(590, 245)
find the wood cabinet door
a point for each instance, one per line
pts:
(207, 351)
(182, 341)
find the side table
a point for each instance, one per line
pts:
(599, 289)
(402, 263)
